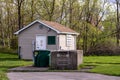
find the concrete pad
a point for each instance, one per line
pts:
(58, 76)
(28, 69)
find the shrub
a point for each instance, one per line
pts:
(14, 43)
(7, 50)
(104, 47)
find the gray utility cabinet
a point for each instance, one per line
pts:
(66, 60)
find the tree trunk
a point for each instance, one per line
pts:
(118, 24)
(19, 4)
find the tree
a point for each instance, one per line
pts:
(84, 16)
(118, 23)
(19, 5)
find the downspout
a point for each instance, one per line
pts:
(33, 50)
(19, 51)
(58, 43)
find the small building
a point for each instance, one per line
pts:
(44, 35)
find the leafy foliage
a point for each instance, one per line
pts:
(95, 20)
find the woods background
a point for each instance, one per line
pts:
(97, 21)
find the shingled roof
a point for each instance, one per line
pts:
(58, 26)
(53, 25)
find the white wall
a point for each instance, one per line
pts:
(63, 42)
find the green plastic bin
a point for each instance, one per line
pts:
(42, 58)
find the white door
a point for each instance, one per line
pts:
(40, 42)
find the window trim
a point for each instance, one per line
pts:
(51, 43)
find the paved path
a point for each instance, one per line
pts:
(58, 76)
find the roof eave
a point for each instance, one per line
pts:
(69, 33)
(17, 32)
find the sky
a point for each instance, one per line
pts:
(112, 1)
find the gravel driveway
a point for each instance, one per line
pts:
(58, 76)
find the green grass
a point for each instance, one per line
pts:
(108, 69)
(102, 59)
(9, 60)
(109, 65)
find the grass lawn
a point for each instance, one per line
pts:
(10, 61)
(109, 65)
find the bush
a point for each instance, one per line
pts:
(7, 50)
(104, 52)
(116, 51)
(107, 47)
(14, 43)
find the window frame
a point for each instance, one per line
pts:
(51, 43)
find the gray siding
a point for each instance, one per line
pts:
(27, 36)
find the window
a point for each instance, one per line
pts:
(69, 40)
(51, 40)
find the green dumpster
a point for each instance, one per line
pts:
(42, 58)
